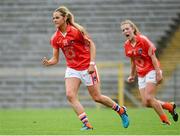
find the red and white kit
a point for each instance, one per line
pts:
(140, 54)
(77, 53)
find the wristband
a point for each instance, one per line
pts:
(92, 63)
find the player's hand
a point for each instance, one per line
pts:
(159, 77)
(91, 69)
(45, 61)
(131, 79)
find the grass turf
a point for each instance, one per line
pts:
(143, 121)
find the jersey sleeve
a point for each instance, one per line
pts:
(148, 44)
(53, 41)
(126, 49)
(84, 38)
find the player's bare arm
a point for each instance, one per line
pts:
(54, 60)
(132, 75)
(159, 76)
(91, 68)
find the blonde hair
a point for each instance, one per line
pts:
(136, 30)
(65, 12)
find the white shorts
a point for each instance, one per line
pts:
(149, 77)
(84, 76)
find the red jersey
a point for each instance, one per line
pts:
(74, 46)
(140, 55)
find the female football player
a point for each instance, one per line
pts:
(144, 63)
(79, 51)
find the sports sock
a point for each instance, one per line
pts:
(83, 118)
(118, 109)
(164, 118)
(168, 106)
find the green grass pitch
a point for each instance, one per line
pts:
(143, 121)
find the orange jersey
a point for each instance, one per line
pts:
(140, 55)
(75, 48)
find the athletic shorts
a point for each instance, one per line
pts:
(84, 76)
(149, 77)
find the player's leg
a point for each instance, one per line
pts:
(95, 93)
(147, 86)
(171, 107)
(92, 82)
(72, 87)
(72, 83)
(154, 103)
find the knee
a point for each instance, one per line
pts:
(97, 98)
(70, 96)
(147, 102)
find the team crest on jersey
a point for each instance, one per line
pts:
(140, 51)
(72, 42)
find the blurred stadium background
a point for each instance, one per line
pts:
(25, 31)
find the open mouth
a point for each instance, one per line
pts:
(127, 35)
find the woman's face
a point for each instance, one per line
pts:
(58, 19)
(127, 31)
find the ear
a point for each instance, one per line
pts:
(65, 18)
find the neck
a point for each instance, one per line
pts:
(133, 41)
(63, 28)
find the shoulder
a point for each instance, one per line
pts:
(144, 38)
(126, 43)
(54, 36)
(146, 42)
(54, 39)
(72, 29)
